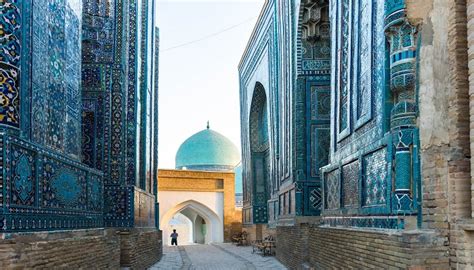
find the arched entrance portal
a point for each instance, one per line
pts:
(194, 222)
(260, 161)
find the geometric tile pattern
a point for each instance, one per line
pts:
(315, 198)
(344, 71)
(364, 62)
(332, 190)
(374, 184)
(364, 222)
(350, 184)
(98, 31)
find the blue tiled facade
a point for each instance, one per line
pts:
(374, 137)
(285, 77)
(72, 155)
(333, 84)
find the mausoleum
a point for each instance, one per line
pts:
(198, 198)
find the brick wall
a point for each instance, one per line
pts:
(87, 249)
(292, 245)
(445, 151)
(316, 247)
(140, 248)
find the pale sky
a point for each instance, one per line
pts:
(199, 81)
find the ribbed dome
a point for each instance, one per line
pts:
(207, 150)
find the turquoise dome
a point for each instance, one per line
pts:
(207, 150)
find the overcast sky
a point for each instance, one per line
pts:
(199, 81)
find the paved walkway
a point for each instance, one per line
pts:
(214, 256)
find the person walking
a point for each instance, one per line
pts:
(174, 238)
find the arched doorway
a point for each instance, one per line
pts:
(259, 151)
(197, 223)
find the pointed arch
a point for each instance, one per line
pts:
(258, 186)
(215, 225)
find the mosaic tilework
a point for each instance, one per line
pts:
(2, 165)
(93, 131)
(74, 42)
(365, 222)
(258, 120)
(118, 206)
(88, 138)
(117, 75)
(374, 184)
(315, 198)
(155, 114)
(402, 37)
(63, 186)
(320, 136)
(132, 114)
(297, 129)
(259, 145)
(56, 88)
(313, 69)
(61, 183)
(350, 184)
(98, 34)
(95, 193)
(260, 214)
(10, 36)
(332, 190)
(344, 71)
(363, 102)
(23, 173)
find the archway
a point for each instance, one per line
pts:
(259, 151)
(204, 227)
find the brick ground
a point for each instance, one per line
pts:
(215, 256)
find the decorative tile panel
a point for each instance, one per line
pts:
(364, 222)
(95, 193)
(23, 175)
(344, 68)
(258, 120)
(10, 38)
(46, 191)
(365, 58)
(98, 36)
(319, 148)
(62, 186)
(118, 206)
(375, 178)
(315, 198)
(56, 86)
(332, 190)
(350, 184)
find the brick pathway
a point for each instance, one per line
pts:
(215, 256)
